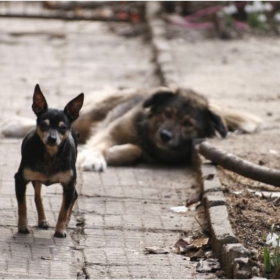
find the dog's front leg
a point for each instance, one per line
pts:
(69, 197)
(113, 145)
(123, 154)
(20, 185)
(42, 221)
(93, 157)
(71, 208)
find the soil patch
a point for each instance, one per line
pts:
(253, 207)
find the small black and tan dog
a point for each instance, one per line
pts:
(49, 153)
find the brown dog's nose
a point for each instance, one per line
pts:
(166, 135)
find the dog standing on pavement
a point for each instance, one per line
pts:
(49, 153)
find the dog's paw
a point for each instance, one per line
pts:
(43, 224)
(23, 229)
(92, 161)
(61, 233)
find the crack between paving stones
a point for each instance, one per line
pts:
(79, 231)
(138, 229)
(113, 264)
(115, 198)
(154, 230)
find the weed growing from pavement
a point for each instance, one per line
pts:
(271, 254)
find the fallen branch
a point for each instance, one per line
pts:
(240, 166)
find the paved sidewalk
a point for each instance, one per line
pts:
(117, 215)
(119, 212)
(127, 209)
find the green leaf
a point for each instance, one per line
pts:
(267, 260)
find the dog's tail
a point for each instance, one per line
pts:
(236, 119)
(16, 126)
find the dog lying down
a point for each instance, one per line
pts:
(151, 125)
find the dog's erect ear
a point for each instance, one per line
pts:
(73, 108)
(218, 124)
(158, 98)
(39, 101)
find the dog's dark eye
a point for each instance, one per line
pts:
(168, 113)
(44, 126)
(188, 123)
(63, 128)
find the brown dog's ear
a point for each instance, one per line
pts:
(217, 123)
(39, 101)
(73, 108)
(158, 98)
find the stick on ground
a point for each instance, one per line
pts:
(240, 166)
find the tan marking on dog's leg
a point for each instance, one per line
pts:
(69, 212)
(42, 221)
(22, 217)
(123, 154)
(20, 188)
(60, 229)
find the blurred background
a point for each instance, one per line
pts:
(70, 47)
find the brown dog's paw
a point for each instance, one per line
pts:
(91, 160)
(23, 229)
(60, 233)
(43, 224)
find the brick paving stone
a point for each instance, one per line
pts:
(3, 264)
(113, 221)
(39, 269)
(138, 271)
(40, 251)
(98, 272)
(119, 272)
(59, 269)
(95, 256)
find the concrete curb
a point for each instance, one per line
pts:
(161, 47)
(225, 244)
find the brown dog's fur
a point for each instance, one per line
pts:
(159, 125)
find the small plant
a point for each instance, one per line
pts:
(228, 12)
(257, 14)
(261, 16)
(271, 253)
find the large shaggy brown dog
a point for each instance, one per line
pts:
(159, 125)
(151, 125)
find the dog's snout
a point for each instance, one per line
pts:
(52, 138)
(166, 135)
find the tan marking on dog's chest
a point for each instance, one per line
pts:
(60, 177)
(52, 150)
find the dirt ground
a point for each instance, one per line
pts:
(239, 73)
(253, 206)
